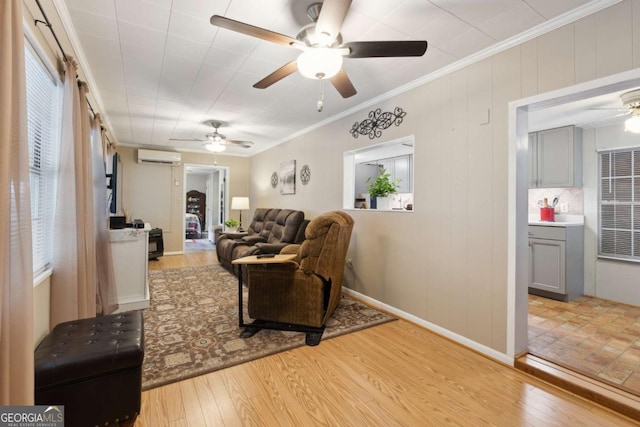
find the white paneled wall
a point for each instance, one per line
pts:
(446, 262)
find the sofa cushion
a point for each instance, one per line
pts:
(285, 228)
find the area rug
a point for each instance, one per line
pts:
(191, 326)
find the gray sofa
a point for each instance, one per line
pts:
(270, 231)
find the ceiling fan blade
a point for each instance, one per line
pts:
(250, 30)
(191, 139)
(245, 144)
(277, 75)
(386, 48)
(343, 84)
(332, 15)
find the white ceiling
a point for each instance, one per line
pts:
(161, 69)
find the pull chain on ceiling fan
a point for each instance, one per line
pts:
(322, 47)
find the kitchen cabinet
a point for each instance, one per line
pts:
(555, 158)
(556, 261)
(399, 168)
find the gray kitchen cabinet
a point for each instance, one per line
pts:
(556, 261)
(402, 170)
(399, 168)
(555, 158)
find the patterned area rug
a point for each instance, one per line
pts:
(191, 327)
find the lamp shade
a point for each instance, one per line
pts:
(632, 124)
(240, 203)
(319, 63)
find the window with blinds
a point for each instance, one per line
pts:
(43, 133)
(619, 204)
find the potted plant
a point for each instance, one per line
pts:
(380, 189)
(231, 224)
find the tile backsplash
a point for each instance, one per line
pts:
(572, 196)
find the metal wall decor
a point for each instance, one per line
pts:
(305, 174)
(377, 122)
(274, 180)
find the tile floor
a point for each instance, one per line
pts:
(595, 337)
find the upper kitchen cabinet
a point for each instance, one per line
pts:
(555, 158)
(400, 169)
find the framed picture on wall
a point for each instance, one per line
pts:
(288, 177)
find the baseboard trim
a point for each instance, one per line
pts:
(480, 348)
(581, 385)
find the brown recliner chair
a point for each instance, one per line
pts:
(302, 295)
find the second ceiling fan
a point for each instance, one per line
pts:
(322, 47)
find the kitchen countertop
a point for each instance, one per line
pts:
(560, 221)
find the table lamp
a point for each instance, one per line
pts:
(240, 203)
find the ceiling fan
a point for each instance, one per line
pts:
(216, 141)
(630, 105)
(322, 47)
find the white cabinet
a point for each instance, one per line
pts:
(555, 158)
(130, 252)
(556, 261)
(399, 168)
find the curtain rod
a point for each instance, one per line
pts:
(47, 23)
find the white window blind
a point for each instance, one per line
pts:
(619, 204)
(43, 130)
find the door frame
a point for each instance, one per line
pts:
(517, 242)
(211, 168)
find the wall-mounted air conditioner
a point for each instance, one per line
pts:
(161, 157)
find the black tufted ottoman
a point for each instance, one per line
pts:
(94, 368)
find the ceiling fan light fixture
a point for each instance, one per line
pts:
(215, 147)
(632, 124)
(319, 63)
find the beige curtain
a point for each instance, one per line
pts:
(73, 283)
(106, 297)
(16, 270)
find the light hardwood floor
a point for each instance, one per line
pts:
(393, 374)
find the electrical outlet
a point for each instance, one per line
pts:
(564, 207)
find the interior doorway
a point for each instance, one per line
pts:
(205, 205)
(522, 308)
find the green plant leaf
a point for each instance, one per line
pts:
(382, 186)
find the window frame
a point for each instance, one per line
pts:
(627, 198)
(46, 170)
(376, 153)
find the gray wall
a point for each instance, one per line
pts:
(151, 193)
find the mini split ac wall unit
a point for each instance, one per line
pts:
(159, 157)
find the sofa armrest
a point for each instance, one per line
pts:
(235, 235)
(271, 248)
(252, 240)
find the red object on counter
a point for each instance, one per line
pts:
(547, 214)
